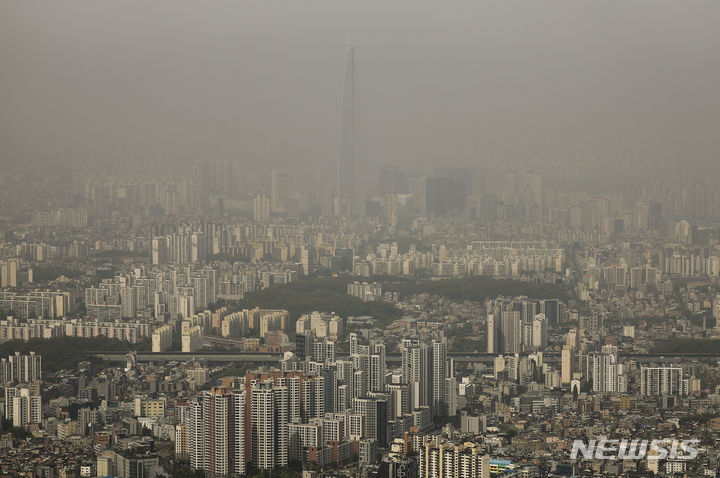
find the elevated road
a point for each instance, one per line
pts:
(475, 357)
(259, 358)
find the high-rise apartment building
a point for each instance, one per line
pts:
(607, 373)
(567, 365)
(374, 411)
(22, 406)
(269, 425)
(417, 372)
(439, 370)
(494, 333)
(658, 381)
(216, 429)
(446, 460)
(21, 368)
(261, 208)
(539, 332)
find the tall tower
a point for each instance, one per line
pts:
(347, 197)
(439, 402)
(217, 414)
(417, 372)
(216, 433)
(269, 415)
(280, 191)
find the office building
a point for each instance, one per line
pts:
(280, 191)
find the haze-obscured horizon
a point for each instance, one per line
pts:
(464, 84)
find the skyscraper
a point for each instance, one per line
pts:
(512, 330)
(494, 332)
(269, 420)
(539, 332)
(218, 430)
(216, 441)
(443, 195)
(261, 208)
(280, 190)
(348, 201)
(567, 364)
(375, 412)
(607, 372)
(417, 372)
(377, 368)
(196, 436)
(439, 402)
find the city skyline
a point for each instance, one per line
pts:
(318, 239)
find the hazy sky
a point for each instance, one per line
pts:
(438, 82)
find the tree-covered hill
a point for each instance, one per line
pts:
(65, 352)
(477, 288)
(321, 294)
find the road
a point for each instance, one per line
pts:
(393, 358)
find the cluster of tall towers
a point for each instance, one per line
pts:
(516, 326)
(429, 375)
(315, 405)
